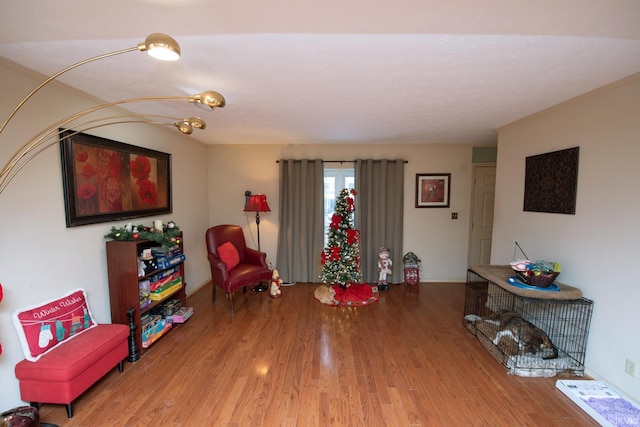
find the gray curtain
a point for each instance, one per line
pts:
(300, 234)
(379, 215)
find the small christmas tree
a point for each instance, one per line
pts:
(341, 258)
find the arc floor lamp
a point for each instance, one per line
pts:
(158, 45)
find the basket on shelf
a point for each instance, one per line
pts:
(543, 280)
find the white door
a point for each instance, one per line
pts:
(484, 184)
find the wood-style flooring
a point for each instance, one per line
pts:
(405, 360)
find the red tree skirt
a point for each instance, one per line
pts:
(355, 295)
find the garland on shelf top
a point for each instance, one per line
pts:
(167, 237)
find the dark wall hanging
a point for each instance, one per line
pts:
(551, 182)
(105, 180)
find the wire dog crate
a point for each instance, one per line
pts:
(532, 337)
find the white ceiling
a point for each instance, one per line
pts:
(303, 71)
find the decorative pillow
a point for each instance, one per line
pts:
(229, 255)
(44, 326)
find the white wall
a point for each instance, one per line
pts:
(440, 242)
(40, 258)
(598, 245)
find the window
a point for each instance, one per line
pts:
(335, 179)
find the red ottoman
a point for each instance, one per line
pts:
(68, 370)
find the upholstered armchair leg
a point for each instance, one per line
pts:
(230, 298)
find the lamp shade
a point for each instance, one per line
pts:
(161, 46)
(208, 100)
(257, 203)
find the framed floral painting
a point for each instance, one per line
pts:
(432, 190)
(105, 180)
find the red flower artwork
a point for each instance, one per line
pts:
(88, 171)
(109, 182)
(86, 191)
(140, 168)
(82, 157)
(106, 181)
(148, 192)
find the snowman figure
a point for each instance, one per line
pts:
(384, 268)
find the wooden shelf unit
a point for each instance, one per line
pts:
(124, 283)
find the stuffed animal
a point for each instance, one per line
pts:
(325, 294)
(384, 268)
(274, 288)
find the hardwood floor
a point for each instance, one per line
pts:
(403, 361)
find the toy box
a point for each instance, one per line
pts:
(171, 306)
(154, 329)
(181, 315)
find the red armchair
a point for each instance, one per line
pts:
(231, 271)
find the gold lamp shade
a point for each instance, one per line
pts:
(209, 98)
(161, 46)
(187, 126)
(197, 123)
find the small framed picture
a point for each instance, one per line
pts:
(433, 190)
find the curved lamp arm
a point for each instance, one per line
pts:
(185, 126)
(209, 99)
(158, 45)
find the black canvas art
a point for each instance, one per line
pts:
(551, 182)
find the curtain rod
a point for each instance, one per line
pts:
(343, 161)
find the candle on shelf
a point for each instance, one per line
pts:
(157, 224)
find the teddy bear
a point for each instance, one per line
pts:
(274, 287)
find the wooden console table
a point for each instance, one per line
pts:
(498, 274)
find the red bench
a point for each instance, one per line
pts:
(67, 371)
